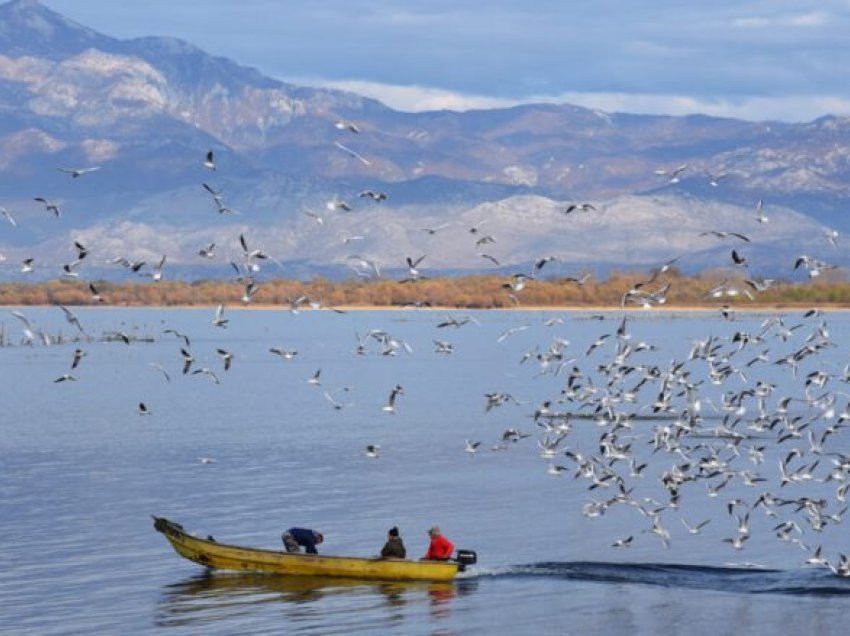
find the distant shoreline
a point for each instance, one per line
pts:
(749, 308)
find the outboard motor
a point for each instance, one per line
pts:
(466, 557)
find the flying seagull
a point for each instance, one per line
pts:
(78, 172)
(350, 126)
(8, 216)
(352, 153)
(50, 206)
(220, 320)
(390, 405)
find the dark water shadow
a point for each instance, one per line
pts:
(815, 581)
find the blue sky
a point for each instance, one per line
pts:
(754, 59)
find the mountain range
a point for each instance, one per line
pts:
(147, 111)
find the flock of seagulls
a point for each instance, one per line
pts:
(693, 427)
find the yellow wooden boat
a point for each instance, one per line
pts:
(221, 556)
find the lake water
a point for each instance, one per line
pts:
(81, 471)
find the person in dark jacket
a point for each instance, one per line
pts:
(394, 547)
(296, 538)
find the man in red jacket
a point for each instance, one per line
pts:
(440, 549)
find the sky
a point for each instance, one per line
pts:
(751, 59)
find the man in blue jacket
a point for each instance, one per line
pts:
(296, 538)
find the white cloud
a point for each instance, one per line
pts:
(411, 99)
(796, 108)
(802, 20)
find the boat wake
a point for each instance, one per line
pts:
(745, 580)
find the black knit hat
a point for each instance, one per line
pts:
(394, 531)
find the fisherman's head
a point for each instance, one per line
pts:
(393, 531)
(434, 532)
(319, 537)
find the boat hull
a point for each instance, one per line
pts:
(221, 556)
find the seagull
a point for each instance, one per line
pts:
(286, 354)
(157, 270)
(219, 320)
(350, 126)
(623, 543)
(226, 357)
(831, 236)
(580, 207)
(433, 230)
(511, 332)
(372, 451)
(540, 263)
(208, 251)
(737, 259)
(50, 206)
(337, 405)
(374, 195)
(337, 204)
(215, 194)
(187, 360)
(208, 372)
(250, 290)
(353, 154)
(579, 281)
(95, 295)
(78, 172)
(390, 405)
(209, 162)
(714, 179)
(348, 238)
(492, 259)
(318, 219)
(471, 447)
(143, 409)
(443, 347)
(412, 266)
(27, 265)
(207, 460)
(71, 318)
(162, 369)
(8, 216)
(695, 529)
(69, 270)
(722, 235)
(180, 335)
(82, 250)
(315, 378)
(813, 266)
(79, 354)
(760, 217)
(65, 377)
(673, 174)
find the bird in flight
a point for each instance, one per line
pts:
(226, 358)
(220, 320)
(353, 154)
(50, 206)
(390, 405)
(78, 172)
(350, 126)
(209, 162)
(8, 217)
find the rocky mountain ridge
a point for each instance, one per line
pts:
(147, 110)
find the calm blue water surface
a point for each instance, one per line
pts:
(81, 472)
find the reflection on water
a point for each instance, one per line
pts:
(212, 596)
